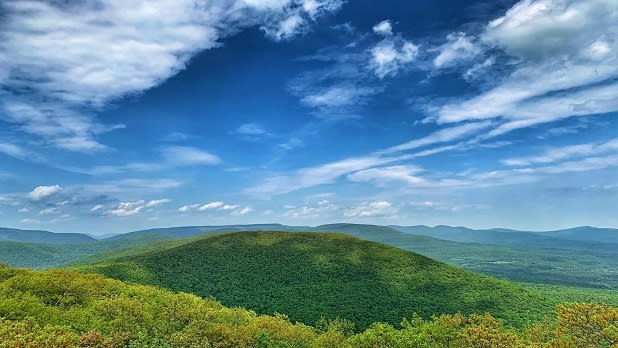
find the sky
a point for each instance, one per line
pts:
(121, 115)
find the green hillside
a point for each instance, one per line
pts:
(37, 256)
(65, 309)
(309, 275)
(581, 268)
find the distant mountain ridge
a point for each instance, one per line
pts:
(43, 237)
(517, 256)
(502, 236)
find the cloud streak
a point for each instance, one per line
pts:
(565, 65)
(70, 62)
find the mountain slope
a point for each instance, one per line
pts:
(34, 236)
(585, 233)
(563, 239)
(586, 267)
(309, 275)
(191, 231)
(59, 308)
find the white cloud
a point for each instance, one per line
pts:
(188, 208)
(173, 156)
(220, 206)
(340, 86)
(391, 55)
(157, 202)
(322, 208)
(536, 29)
(185, 155)
(127, 209)
(383, 28)
(459, 47)
(291, 144)
(96, 208)
(384, 175)
(440, 136)
(176, 137)
(42, 192)
(294, 17)
(211, 206)
(566, 65)
(48, 211)
(131, 185)
(373, 209)
(251, 129)
(565, 152)
(23, 210)
(441, 206)
(328, 173)
(581, 165)
(12, 150)
(428, 204)
(338, 96)
(243, 211)
(132, 208)
(65, 54)
(478, 69)
(62, 127)
(29, 221)
(324, 174)
(287, 28)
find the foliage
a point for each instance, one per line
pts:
(585, 267)
(61, 308)
(314, 275)
(574, 263)
(34, 255)
(566, 294)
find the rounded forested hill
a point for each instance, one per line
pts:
(313, 275)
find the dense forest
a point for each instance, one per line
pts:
(313, 275)
(581, 257)
(60, 308)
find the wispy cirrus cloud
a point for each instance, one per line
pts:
(565, 65)
(382, 175)
(131, 185)
(372, 209)
(372, 167)
(320, 209)
(12, 150)
(233, 209)
(351, 75)
(186, 155)
(251, 129)
(566, 152)
(440, 136)
(318, 175)
(124, 209)
(61, 62)
(171, 156)
(458, 48)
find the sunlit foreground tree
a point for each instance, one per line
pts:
(69, 309)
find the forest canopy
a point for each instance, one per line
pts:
(60, 308)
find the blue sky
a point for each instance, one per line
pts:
(118, 115)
